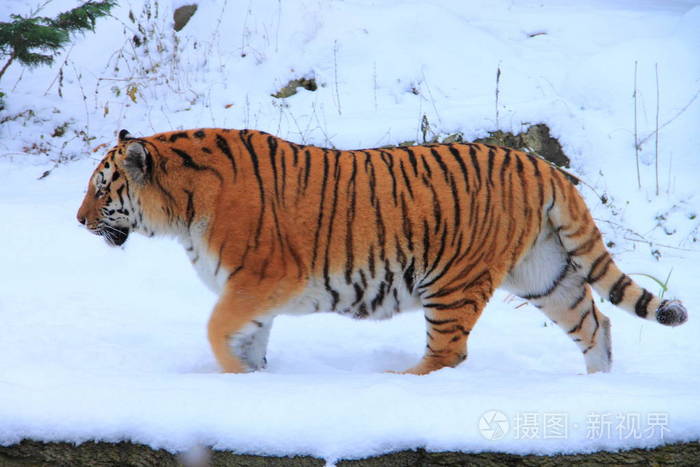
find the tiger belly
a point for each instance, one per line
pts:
(371, 299)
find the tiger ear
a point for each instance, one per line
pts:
(124, 135)
(138, 163)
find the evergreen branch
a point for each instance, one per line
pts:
(82, 17)
(35, 40)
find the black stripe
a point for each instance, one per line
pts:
(233, 273)
(455, 204)
(389, 162)
(585, 247)
(362, 312)
(504, 165)
(595, 319)
(535, 164)
(295, 154)
(379, 298)
(491, 156)
(359, 293)
(307, 168)
(462, 166)
(452, 305)
(378, 218)
(324, 183)
(175, 136)
(349, 251)
(120, 192)
(411, 159)
(222, 144)
(363, 278)
(617, 291)
(483, 276)
(475, 163)
(554, 195)
(426, 166)
(441, 251)
(409, 276)
(190, 207)
(369, 170)
(283, 164)
(641, 306)
(407, 225)
(444, 270)
(187, 160)
(564, 272)
(218, 263)
(439, 322)
(605, 260)
(440, 162)
(426, 244)
(406, 180)
(580, 323)
(519, 165)
(400, 255)
(272, 145)
(578, 300)
(326, 264)
(381, 238)
(256, 170)
(297, 260)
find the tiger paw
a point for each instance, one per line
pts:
(671, 313)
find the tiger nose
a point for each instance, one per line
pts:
(81, 219)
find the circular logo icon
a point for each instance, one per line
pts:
(493, 425)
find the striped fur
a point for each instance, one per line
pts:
(275, 227)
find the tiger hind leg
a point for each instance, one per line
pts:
(577, 314)
(452, 307)
(550, 280)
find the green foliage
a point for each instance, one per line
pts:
(23, 35)
(35, 40)
(663, 285)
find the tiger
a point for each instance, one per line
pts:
(274, 227)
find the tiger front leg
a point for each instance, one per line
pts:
(239, 327)
(250, 343)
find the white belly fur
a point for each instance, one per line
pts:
(314, 298)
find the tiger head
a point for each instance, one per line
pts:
(112, 206)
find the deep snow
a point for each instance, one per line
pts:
(110, 344)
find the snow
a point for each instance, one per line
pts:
(110, 344)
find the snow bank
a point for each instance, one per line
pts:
(109, 344)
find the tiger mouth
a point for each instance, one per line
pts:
(114, 236)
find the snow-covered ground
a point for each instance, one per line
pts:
(109, 344)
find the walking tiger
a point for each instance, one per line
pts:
(275, 228)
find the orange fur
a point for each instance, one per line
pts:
(276, 227)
